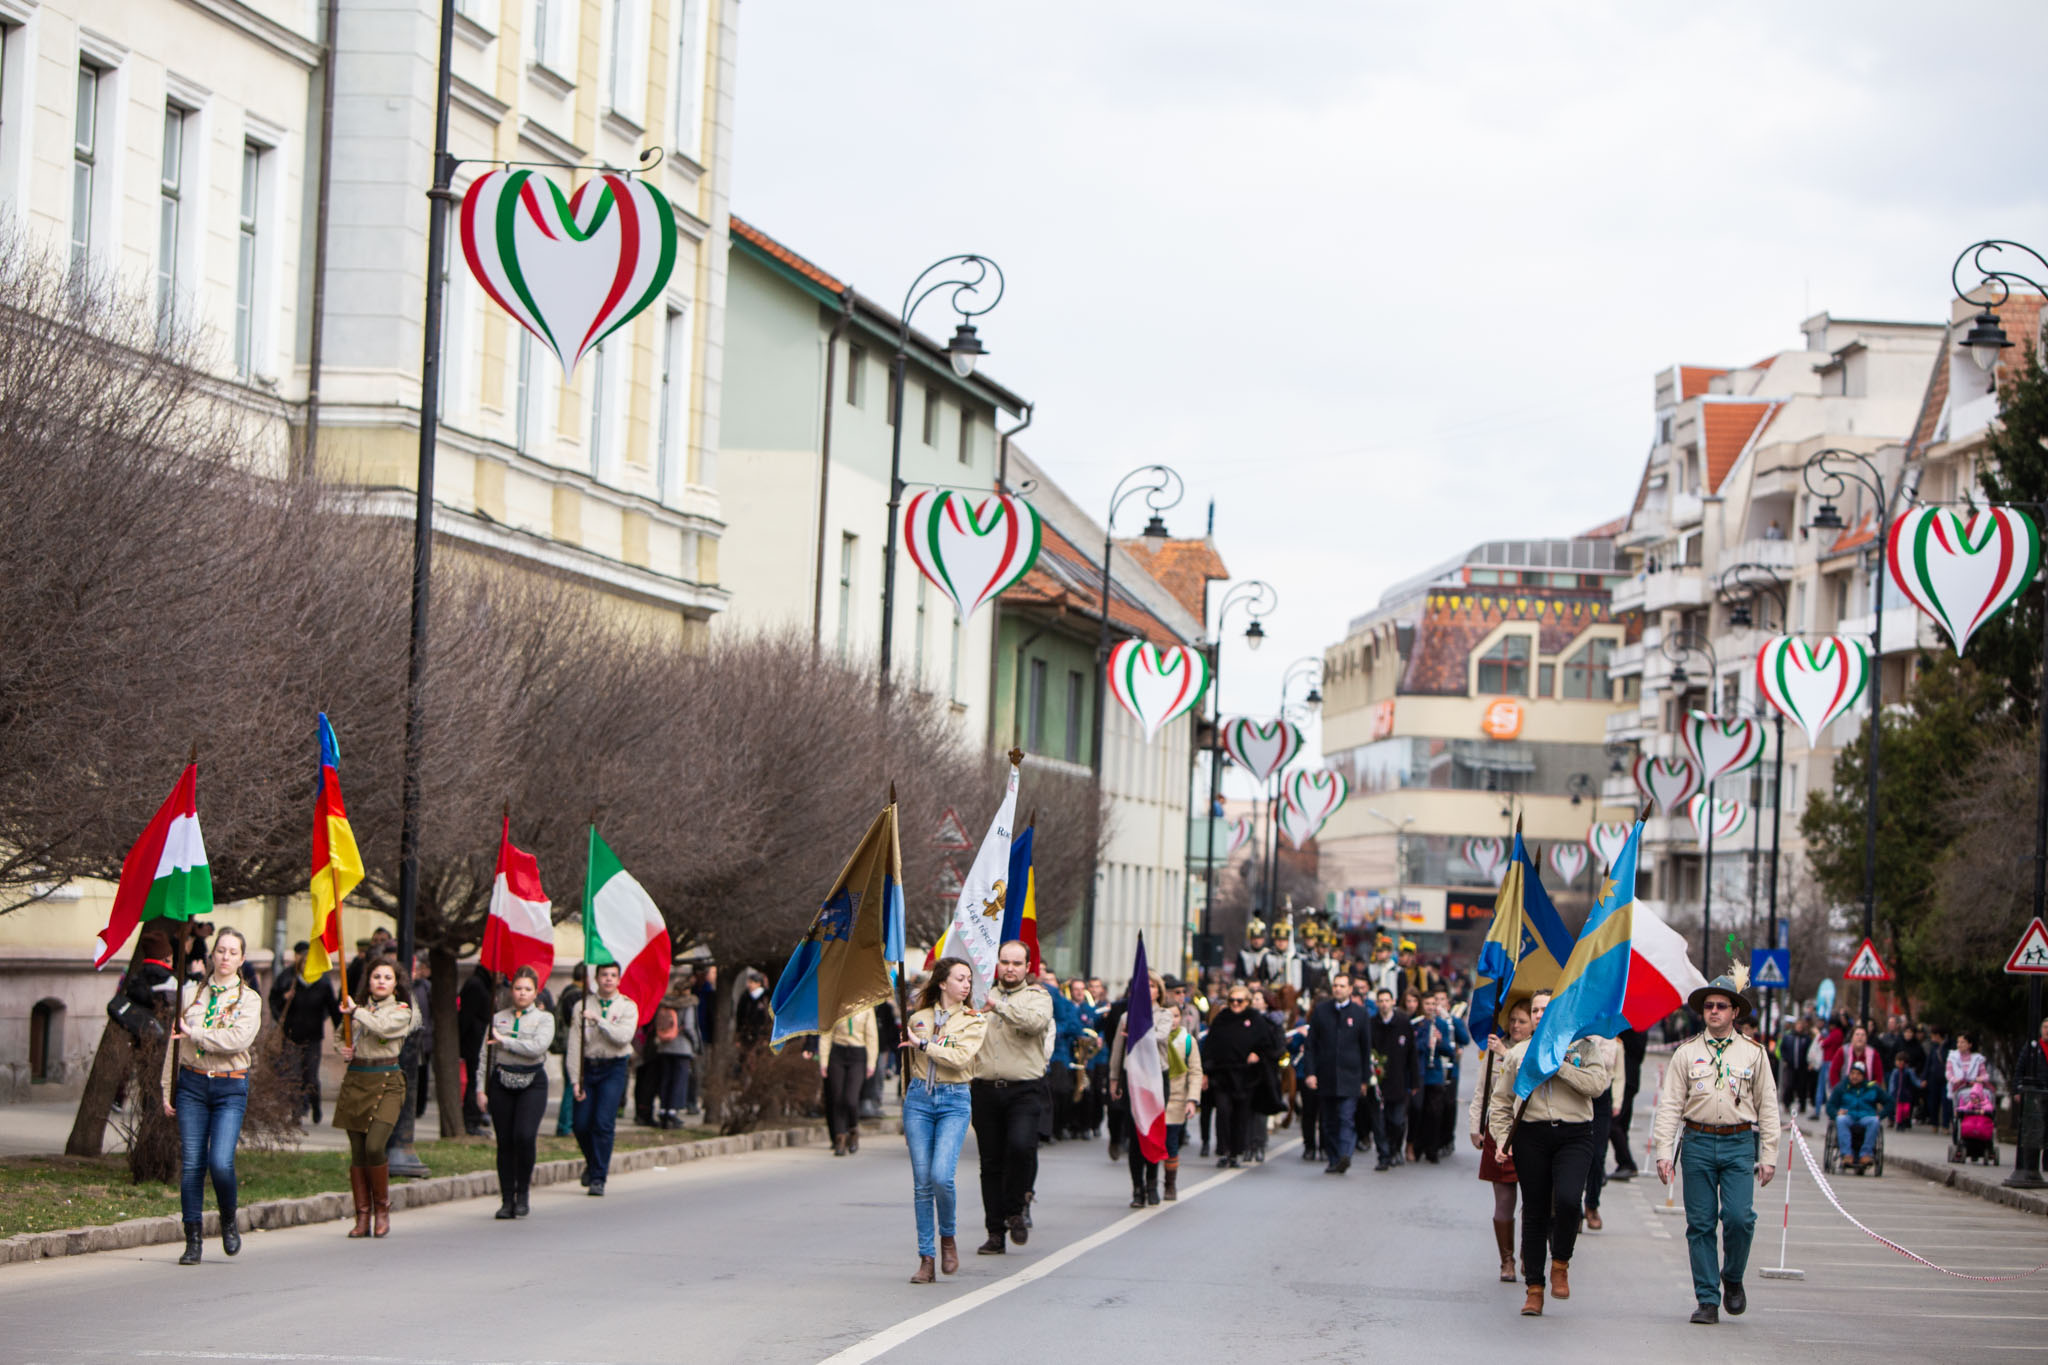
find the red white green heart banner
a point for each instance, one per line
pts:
(570, 268)
(1155, 683)
(1240, 834)
(1311, 798)
(1729, 816)
(1719, 747)
(1295, 826)
(1963, 572)
(1813, 681)
(971, 551)
(1261, 747)
(1607, 839)
(1489, 857)
(1666, 783)
(1568, 861)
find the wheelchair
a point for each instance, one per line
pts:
(1831, 1155)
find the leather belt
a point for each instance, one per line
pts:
(241, 1075)
(1719, 1129)
(999, 1084)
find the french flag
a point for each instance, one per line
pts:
(521, 929)
(1142, 1072)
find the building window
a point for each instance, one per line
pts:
(529, 410)
(626, 68)
(967, 436)
(1585, 673)
(669, 441)
(856, 376)
(917, 649)
(847, 544)
(1546, 680)
(1504, 669)
(1034, 731)
(1076, 685)
(170, 218)
(85, 138)
(246, 316)
(689, 77)
(931, 417)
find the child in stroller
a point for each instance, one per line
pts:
(1976, 1137)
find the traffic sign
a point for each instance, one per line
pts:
(952, 832)
(2031, 957)
(1867, 965)
(1770, 967)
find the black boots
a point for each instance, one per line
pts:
(195, 1244)
(1137, 1192)
(1152, 1183)
(230, 1235)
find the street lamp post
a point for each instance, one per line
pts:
(1828, 473)
(1257, 597)
(964, 351)
(1399, 828)
(1579, 786)
(1676, 646)
(1764, 579)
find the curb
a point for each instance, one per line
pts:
(332, 1207)
(1941, 1173)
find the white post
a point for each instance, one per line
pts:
(1778, 1271)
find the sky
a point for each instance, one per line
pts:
(1384, 281)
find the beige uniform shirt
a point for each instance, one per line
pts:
(1014, 1047)
(856, 1030)
(1736, 1088)
(950, 1047)
(608, 1034)
(220, 1024)
(1566, 1097)
(380, 1029)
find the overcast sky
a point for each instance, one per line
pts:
(1385, 280)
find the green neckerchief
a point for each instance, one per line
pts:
(1719, 1047)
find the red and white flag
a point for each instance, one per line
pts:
(1143, 1075)
(520, 931)
(1660, 971)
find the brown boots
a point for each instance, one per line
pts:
(359, 1187)
(1560, 1284)
(949, 1255)
(1532, 1303)
(379, 1178)
(1172, 1179)
(839, 1144)
(926, 1273)
(1504, 1239)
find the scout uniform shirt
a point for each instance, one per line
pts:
(1013, 1048)
(220, 1023)
(607, 1036)
(1721, 1082)
(1566, 1097)
(857, 1031)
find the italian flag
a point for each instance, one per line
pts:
(165, 874)
(521, 929)
(622, 927)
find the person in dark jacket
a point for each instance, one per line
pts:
(1400, 1075)
(1634, 1044)
(474, 1006)
(303, 1013)
(1338, 1069)
(1238, 1043)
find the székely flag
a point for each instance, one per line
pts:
(521, 929)
(976, 930)
(337, 865)
(1525, 949)
(843, 964)
(622, 928)
(1142, 1073)
(1020, 898)
(1591, 992)
(165, 875)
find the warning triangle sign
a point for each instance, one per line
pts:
(952, 833)
(2031, 957)
(1867, 965)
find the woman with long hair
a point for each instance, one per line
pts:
(1180, 1062)
(1495, 1169)
(516, 1087)
(218, 1018)
(373, 1091)
(940, 1040)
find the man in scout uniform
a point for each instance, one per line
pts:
(1718, 1090)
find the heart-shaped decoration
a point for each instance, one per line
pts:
(1489, 857)
(1729, 816)
(1607, 839)
(1813, 682)
(571, 269)
(1666, 783)
(1240, 834)
(1312, 798)
(1295, 825)
(1963, 572)
(1155, 683)
(971, 551)
(1568, 861)
(1719, 747)
(1261, 747)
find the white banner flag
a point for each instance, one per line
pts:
(976, 930)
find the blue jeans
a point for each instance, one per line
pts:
(597, 1113)
(1719, 1191)
(210, 1110)
(1339, 1124)
(1845, 1127)
(935, 1120)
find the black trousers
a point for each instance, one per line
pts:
(1551, 1160)
(1603, 1120)
(1234, 1117)
(301, 1067)
(1311, 1115)
(846, 1071)
(1389, 1124)
(515, 1119)
(1006, 1132)
(472, 1062)
(1430, 1122)
(1617, 1133)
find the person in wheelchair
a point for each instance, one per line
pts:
(1857, 1107)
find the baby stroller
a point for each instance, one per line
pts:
(1975, 1137)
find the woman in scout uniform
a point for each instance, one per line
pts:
(209, 1046)
(373, 1091)
(1181, 1060)
(941, 1041)
(847, 1055)
(1718, 1090)
(1494, 1169)
(516, 1087)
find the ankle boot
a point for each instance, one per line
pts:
(380, 1198)
(839, 1144)
(1137, 1191)
(359, 1188)
(949, 1255)
(1560, 1282)
(925, 1271)
(1504, 1240)
(1152, 1184)
(1532, 1302)
(230, 1235)
(195, 1244)
(1172, 1178)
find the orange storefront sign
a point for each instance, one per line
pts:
(1502, 718)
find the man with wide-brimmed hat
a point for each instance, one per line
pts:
(1719, 1092)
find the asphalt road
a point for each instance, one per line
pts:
(796, 1256)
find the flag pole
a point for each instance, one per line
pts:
(902, 1005)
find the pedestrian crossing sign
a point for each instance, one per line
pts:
(1770, 967)
(2031, 957)
(1868, 966)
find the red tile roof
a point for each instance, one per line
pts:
(1184, 568)
(2021, 316)
(1606, 530)
(747, 232)
(1693, 380)
(1727, 428)
(1453, 624)
(1066, 578)
(1861, 534)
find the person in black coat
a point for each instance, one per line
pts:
(303, 1013)
(1393, 1038)
(474, 1006)
(1338, 1063)
(1239, 1042)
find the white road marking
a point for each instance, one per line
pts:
(889, 1338)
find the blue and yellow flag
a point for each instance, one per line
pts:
(1020, 906)
(1525, 949)
(842, 966)
(1590, 994)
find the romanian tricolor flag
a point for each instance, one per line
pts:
(1593, 989)
(337, 866)
(1020, 907)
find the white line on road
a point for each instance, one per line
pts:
(890, 1338)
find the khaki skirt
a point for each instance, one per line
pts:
(369, 1097)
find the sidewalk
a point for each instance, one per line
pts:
(1924, 1152)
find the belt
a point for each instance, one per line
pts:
(241, 1075)
(999, 1083)
(1719, 1129)
(367, 1069)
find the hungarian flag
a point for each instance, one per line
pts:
(1020, 904)
(622, 928)
(165, 875)
(1143, 1076)
(337, 866)
(520, 931)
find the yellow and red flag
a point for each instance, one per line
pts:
(337, 866)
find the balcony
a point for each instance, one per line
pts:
(1686, 510)
(1901, 628)
(1632, 724)
(1628, 595)
(1627, 661)
(1773, 554)
(1681, 587)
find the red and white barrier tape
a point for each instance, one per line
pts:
(1806, 1154)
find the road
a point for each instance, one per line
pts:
(795, 1256)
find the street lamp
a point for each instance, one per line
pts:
(1310, 667)
(1676, 647)
(964, 275)
(1580, 786)
(1828, 473)
(1257, 597)
(1762, 578)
